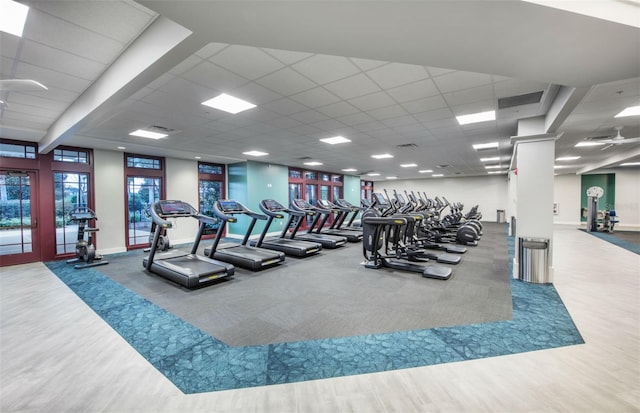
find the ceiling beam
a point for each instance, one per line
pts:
(610, 161)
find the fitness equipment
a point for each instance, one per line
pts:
(594, 193)
(242, 255)
(326, 205)
(85, 250)
(379, 230)
(163, 242)
(187, 269)
(352, 224)
(296, 248)
(327, 241)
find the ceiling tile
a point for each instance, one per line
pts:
(287, 57)
(367, 64)
(476, 94)
(397, 74)
(51, 78)
(315, 97)
(286, 82)
(338, 109)
(512, 87)
(214, 77)
(460, 80)
(256, 94)
(413, 91)
(284, 106)
(249, 62)
(308, 116)
(372, 101)
(210, 50)
(388, 112)
(353, 86)
(324, 69)
(356, 119)
(424, 105)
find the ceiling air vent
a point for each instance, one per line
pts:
(526, 99)
(407, 146)
(443, 166)
(161, 129)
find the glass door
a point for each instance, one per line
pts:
(19, 240)
(142, 192)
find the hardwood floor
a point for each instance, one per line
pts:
(58, 356)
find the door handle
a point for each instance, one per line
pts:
(34, 223)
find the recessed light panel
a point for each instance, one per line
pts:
(229, 104)
(567, 158)
(496, 172)
(630, 164)
(255, 153)
(373, 174)
(13, 17)
(630, 111)
(589, 143)
(382, 156)
(335, 140)
(392, 177)
(492, 167)
(495, 158)
(476, 117)
(349, 170)
(480, 146)
(425, 171)
(437, 175)
(148, 134)
(313, 163)
(409, 165)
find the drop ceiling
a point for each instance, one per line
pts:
(390, 76)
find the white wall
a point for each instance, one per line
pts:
(628, 198)
(566, 194)
(109, 198)
(489, 193)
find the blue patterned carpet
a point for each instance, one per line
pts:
(197, 362)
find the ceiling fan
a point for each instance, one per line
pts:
(610, 141)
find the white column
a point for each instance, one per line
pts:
(534, 160)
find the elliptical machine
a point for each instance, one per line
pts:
(85, 250)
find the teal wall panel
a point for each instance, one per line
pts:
(266, 181)
(351, 189)
(237, 181)
(604, 181)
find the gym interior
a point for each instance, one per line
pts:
(350, 240)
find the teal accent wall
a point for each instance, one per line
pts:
(604, 181)
(251, 182)
(351, 189)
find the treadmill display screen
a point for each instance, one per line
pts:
(229, 206)
(401, 198)
(173, 208)
(272, 205)
(380, 199)
(301, 203)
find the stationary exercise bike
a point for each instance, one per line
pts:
(85, 250)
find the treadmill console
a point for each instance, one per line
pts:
(381, 200)
(323, 203)
(173, 208)
(272, 205)
(302, 204)
(400, 199)
(229, 206)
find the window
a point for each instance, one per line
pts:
(211, 185)
(144, 185)
(18, 150)
(313, 185)
(143, 162)
(366, 190)
(71, 190)
(69, 155)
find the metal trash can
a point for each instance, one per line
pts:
(533, 266)
(500, 216)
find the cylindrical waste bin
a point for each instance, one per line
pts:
(533, 266)
(500, 216)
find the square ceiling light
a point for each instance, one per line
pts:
(476, 117)
(589, 143)
(335, 140)
(495, 158)
(313, 163)
(13, 17)
(349, 170)
(567, 158)
(255, 153)
(148, 134)
(382, 156)
(425, 171)
(408, 165)
(630, 111)
(229, 104)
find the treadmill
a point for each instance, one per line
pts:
(297, 248)
(327, 241)
(241, 255)
(352, 224)
(331, 208)
(187, 269)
